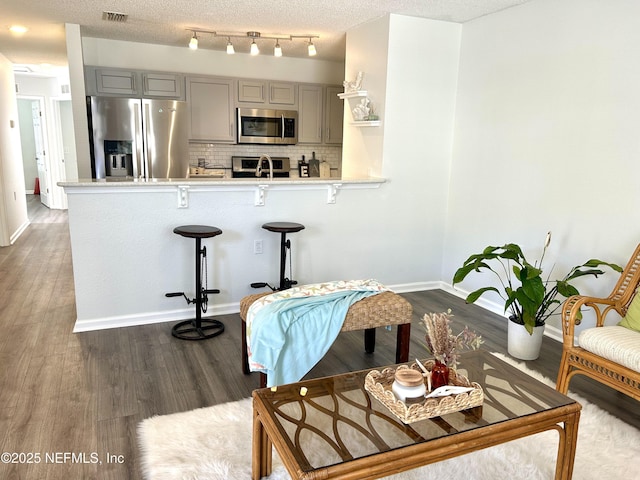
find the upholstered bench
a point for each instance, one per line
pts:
(380, 310)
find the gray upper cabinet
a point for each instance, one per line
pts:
(320, 116)
(251, 91)
(119, 82)
(122, 82)
(333, 116)
(264, 94)
(211, 109)
(282, 94)
(310, 114)
(166, 85)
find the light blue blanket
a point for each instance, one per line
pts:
(298, 333)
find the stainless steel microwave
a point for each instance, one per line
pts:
(271, 127)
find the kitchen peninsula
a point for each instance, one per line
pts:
(125, 256)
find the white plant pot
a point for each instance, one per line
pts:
(520, 344)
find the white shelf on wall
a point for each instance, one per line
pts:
(359, 93)
(366, 123)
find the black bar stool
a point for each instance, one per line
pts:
(283, 228)
(198, 328)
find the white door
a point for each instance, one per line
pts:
(41, 160)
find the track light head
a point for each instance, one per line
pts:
(254, 48)
(193, 43)
(230, 49)
(311, 48)
(277, 51)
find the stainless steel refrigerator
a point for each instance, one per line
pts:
(138, 138)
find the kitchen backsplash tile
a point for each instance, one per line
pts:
(219, 155)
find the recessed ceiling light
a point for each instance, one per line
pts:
(18, 29)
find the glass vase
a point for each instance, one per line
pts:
(439, 375)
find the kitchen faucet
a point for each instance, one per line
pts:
(259, 166)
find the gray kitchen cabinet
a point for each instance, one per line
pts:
(310, 116)
(122, 82)
(266, 94)
(282, 93)
(166, 85)
(251, 91)
(333, 116)
(320, 114)
(211, 109)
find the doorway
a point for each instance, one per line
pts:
(34, 148)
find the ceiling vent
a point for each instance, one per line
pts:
(114, 17)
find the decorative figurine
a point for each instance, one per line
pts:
(361, 111)
(355, 85)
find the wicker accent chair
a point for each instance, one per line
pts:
(580, 361)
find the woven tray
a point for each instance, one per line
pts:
(379, 383)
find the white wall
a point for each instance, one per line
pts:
(82, 168)
(13, 205)
(546, 136)
(367, 52)
(143, 56)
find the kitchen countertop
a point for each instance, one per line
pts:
(116, 182)
(185, 186)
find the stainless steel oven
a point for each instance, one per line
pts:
(271, 127)
(245, 167)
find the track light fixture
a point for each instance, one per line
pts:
(254, 48)
(193, 43)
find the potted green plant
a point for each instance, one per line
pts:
(528, 298)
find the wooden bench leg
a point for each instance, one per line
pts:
(245, 355)
(402, 342)
(369, 340)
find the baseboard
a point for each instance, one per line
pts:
(150, 318)
(19, 232)
(415, 287)
(550, 331)
(187, 313)
(234, 307)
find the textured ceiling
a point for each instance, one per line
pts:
(167, 22)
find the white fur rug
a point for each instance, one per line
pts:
(214, 443)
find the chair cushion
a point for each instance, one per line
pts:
(615, 343)
(632, 318)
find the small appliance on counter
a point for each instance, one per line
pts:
(245, 167)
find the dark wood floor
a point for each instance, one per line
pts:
(63, 393)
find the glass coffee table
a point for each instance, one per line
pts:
(333, 428)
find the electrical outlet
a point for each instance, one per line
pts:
(257, 247)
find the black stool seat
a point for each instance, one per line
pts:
(283, 227)
(198, 328)
(197, 231)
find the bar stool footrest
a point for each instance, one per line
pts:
(189, 330)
